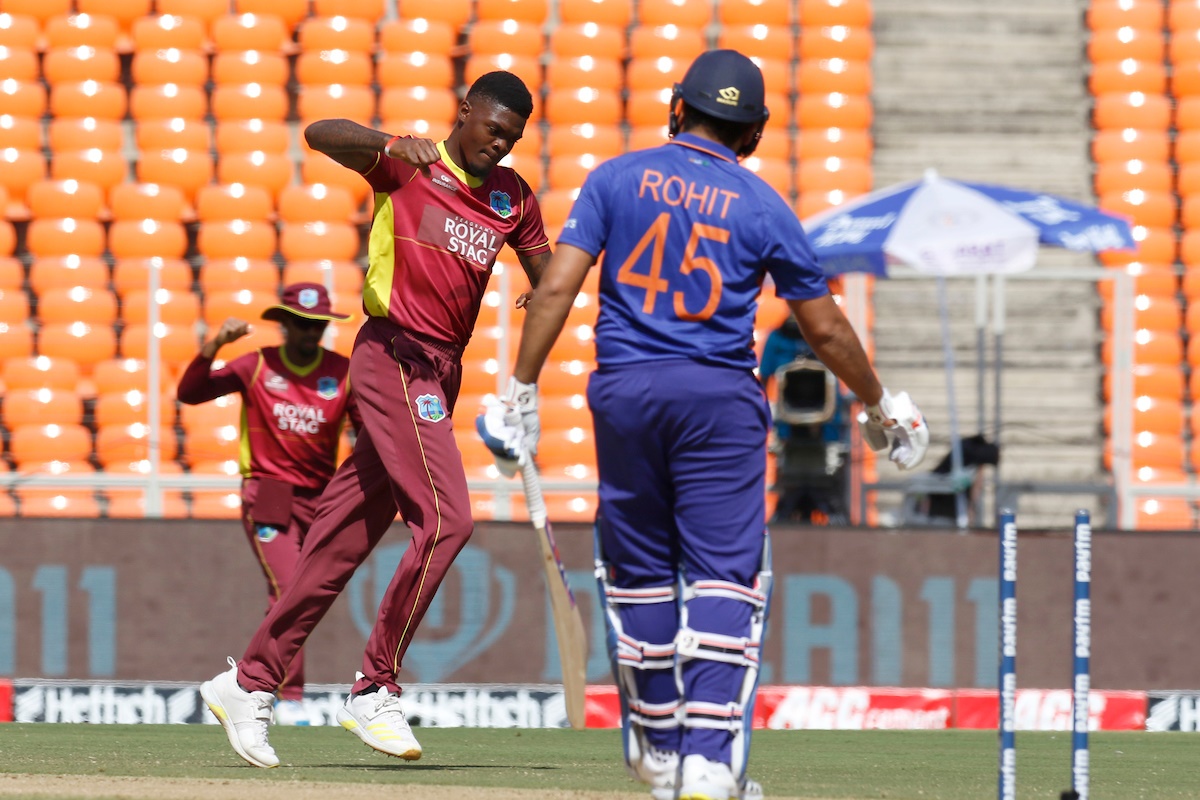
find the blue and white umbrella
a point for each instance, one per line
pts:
(946, 227)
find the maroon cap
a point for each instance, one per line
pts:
(308, 300)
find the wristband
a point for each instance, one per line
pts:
(389, 144)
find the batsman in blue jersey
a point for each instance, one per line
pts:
(681, 422)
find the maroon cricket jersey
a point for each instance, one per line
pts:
(434, 240)
(291, 416)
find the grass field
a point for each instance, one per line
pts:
(897, 765)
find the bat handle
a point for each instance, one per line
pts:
(533, 494)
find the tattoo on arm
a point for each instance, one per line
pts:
(348, 143)
(535, 266)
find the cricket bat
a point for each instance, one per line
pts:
(568, 625)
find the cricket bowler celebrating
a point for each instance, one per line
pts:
(683, 559)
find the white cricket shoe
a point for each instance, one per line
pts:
(701, 779)
(244, 716)
(291, 712)
(377, 720)
(659, 768)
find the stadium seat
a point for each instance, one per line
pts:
(369, 10)
(61, 237)
(1158, 415)
(223, 411)
(239, 237)
(836, 41)
(1117, 44)
(187, 170)
(23, 98)
(84, 343)
(231, 274)
(1164, 513)
(16, 339)
(343, 278)
(90, 98)
(489, 37)
(20, 133)
(249, 101)
(170, 133)
(1154, 380)
(235, 32)
(654, 74)
(131, 503)
(42, 407)
(75, 30)
(140, 201)
(852, 176)
(527, 68)
(1128, 75)
(694, 14)
(1149, 208)
(1149, 279)
(96, 305)
(40, 371)
(417, 102)
(605, 141)
(585, 105)
(1125, 144)
(834, 110)
(224, 202)
(208, 11)
(216, 505)
(167, 31)
(337, 32)
(320, 168)
(415, 68)
(1154, 245)
(319, 240)
(1151, 312)
(125, 12)
(78, 64)
(1139, 110)
(419, 34)
(770, 13)
(667, 41)
(174, 307)
(19, 169)
(572, 40)
(12, 274)
(130, 407)
(105, 168)
(292, 12)
(325, 67)
(37, 501)
(263, 335)
(336, 101)
(65, 135)
(146, 238)
(536, 11)
(825, 75)
(759, 41)
(1141, 14)
(311, 203)
(239, 67)
(118, 444)
(215, 443)
(14, 305)
(576, 72)
(177, 344)
(248, 135)
(857, 13)
(647, 109)
(167, 66)
(1151, 347)
(244, 304)
(63, 441)
(65, 198)
(271, 171)
(133, 274)
(18, 30)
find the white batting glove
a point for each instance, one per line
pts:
(896, 424)
(502, 439)
(521, 400)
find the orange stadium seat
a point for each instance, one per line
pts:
(36, 501)
(857, 13)
(1116, 44)
(1122, 176)
(117, 444)
(669, 41)
(65, 198)
(249, 101)
(1152, 279)
(337, 32)
(1164, 514)
(1151, 312)
(217, 202)
(567, 72)
(232, 274)
(528, 165)
(415, 68)
(320, 168)
(777, 173)
(1128, 75)
(16, 339)
(646, 109)
(68, 134)
(238, 67)
(836, 41)
(63, 441)
(310, 203)
(83, 343)
(12, 274)
(171, 65)
(417, 102)
(241, 303)
(1142, 14)
(1131, 110)
(42, 407)
(351, 102)
(59, 272)
(825, 75)
(18, 30)
(208, 11)
(265, 32)
(20, 169)
(177, 344)
(333, 240)
(170, 133)
(1130, 143)
(214, 443)
(605, 141)
(167, 31)
(20, 133)
(104, 100)
(73, 30)
(14, 305)
(8, 233)
(133, 274)
(834, 110)
(139, 201)
(125, 12)
(759, 41)
(130, 407)
(421, 35)
(1183, 46)
(131, 503)
(224, 410)
(455, 13)
(615, 13)
(1151, 347)
(78, 64)
(22, 98)
(839, 142)
(187, 170)
(292, 12)
(1152, 209)
(233, 238)
(104, 168)
(334, 66)
(145, 238)
(773, 13)
(852, 176)
(173, 307)
(1154, 245)
(524, 10)
(61, 237)
(369, 10)
(96, 305)
(589, 38)
(1158, 451)
(653, 74)
(271, 171)
(1154, 380)
(39, 371)
(695, 14)
(263, 335)
(248, 135)
(342, 277)
(527, 68)
(506, 36)
(216, 505)
(586, 105)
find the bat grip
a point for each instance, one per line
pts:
(534, 500)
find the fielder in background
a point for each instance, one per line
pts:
(681, 421)
(442, 212)
(295, 400)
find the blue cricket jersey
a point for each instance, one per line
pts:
(688, 236)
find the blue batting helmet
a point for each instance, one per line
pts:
(724, 84)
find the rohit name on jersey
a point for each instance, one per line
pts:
(473, 241)
(298, 418)
(675, 191)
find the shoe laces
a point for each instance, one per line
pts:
(388, 703)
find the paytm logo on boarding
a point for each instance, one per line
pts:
(474, 241)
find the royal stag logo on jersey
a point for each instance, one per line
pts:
(472, 240)
(430, 409)
(327, 388)
(501, 204)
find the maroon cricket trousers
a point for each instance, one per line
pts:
(406, 460)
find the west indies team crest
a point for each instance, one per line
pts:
(501, 204)
(429, 408)
(327, 388)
